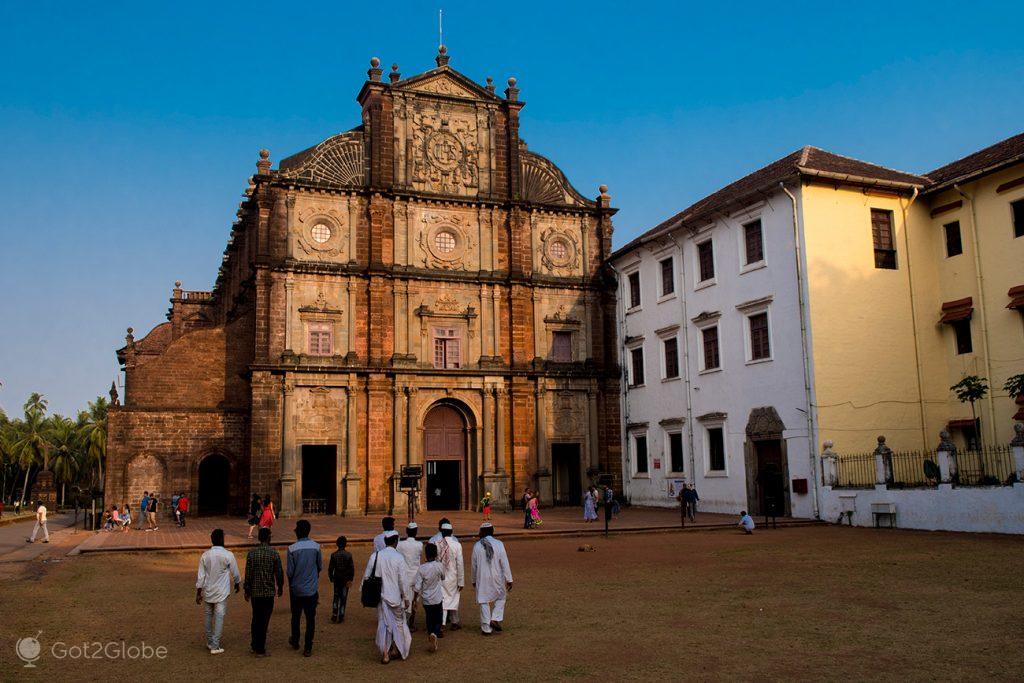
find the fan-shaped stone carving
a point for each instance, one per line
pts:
(543, 183)
(336, 161)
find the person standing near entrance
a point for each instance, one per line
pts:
(174, 506)
(267, 514)
(690, 497)
(255, 512)
(143, 507)
(590, 505)
(217, 568)
(40, 524)
(535, 512)
(392, 630)
(151, 513)
(411, 551)
(492, 578)
(304, 565)
(527, 515)
(263, 577)
(182, 509)
(449, 553)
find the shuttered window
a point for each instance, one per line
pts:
(754, 242)
(760, 345)
(706, 260)
(634, 290)
(318, 339)
(710, 338)
(640, 452)
(671, 358)
(716, 449)
(668, 280)
(561, 347)
(637, 360)
(675, 449)
(881, 235)
(954, 246)
(446, 348)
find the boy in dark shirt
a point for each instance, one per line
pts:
(340, 572)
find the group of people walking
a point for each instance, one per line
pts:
(399, 574)
(149, 506)
(261, 513)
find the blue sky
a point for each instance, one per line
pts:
(128, 129)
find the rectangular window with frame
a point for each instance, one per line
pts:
(882, 238)
(318, 339)
(706, 261)
(671, 358)
(962, 330)
(753, 242)
(716, 449)
(636, 357)
(1017, 208)
(640, 453)
(447, 351)
(709, 336)
(561, 347)
(954, 245)
(668, 276)
(634, 289)
(675, 452)
(760, 343)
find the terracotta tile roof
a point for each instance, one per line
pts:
(1004, 153)
(810, 161)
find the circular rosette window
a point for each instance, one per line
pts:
(560, 251)
(446, 243)
(321, 233)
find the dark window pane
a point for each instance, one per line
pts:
(561, 347)
(962, 328)
(1018, 218)
(634, 290)
(671, 358)
(954, 247)
(637, 356)
(675, 447)
(760, 346)
(640, 443)
(754, 242)
(710, 335)
(668, 281)
(706, 258)
(881, 235)
(716, 449)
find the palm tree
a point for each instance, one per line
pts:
(93, 428)
(32, 446)
(66, 447)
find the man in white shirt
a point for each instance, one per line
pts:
(40, 524)
(492, 578)
(217, 568)
(449, 554)
(388, 524)
(392, 630)
(411, 550)
(427, 585)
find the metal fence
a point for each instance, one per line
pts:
(855, 471)
(987, 466)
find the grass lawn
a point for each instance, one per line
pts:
(798, 603)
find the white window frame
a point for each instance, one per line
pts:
(756, 265)
(633, 460)
(665, 334)
(706, 447)
(702, 369)
(662, 296)
(628, 299)
(667, 451)
(637, 345)
(748, 351)
(697, 242)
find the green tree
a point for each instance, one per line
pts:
(93, 430)
(970, 390)
(1014, 386)
(65, 445)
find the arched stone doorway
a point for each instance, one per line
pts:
(767, 465)
(144, 473)
(214, 485)
(445, 446)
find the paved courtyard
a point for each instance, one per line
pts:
(796, 603)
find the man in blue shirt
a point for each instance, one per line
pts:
(143, 506)
(304, 566)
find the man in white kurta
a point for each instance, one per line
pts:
(492, 578)
(449, 554)
(411, 550)
(388, 524)
(392, 630)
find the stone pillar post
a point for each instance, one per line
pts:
(945, 453)
(495, 478)
(883, 463)
(397, 500)
(353, 225)
(829, 466)
(352, 502)
(289, 203)
(490, 464)
(291, 489)
(496, 320)
(543, 461)
(288, 286)
(593, 458)
(350, 290)
(499, 421)
(1017, 446)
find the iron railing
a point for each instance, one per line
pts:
(855, 470)
(987, 466)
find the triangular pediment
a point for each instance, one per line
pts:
(447, 82)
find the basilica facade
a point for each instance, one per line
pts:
(422, 289)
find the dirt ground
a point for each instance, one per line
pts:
(799, 603)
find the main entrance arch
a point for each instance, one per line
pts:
(445, 444)
(214, 485)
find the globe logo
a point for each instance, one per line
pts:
(28, 650)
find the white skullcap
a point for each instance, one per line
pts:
(411, 525)
(446, 526)
(486, 525)
(389, 534)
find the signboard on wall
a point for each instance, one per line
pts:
(675, 486)
(657, 463)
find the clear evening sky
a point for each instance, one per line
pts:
(128, 129)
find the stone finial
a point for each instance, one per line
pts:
(442, 56)
(374, 71)
(512, 92)
(1018, 435)
(827, 446)
(263, 165)
(945, 443)
(113, 394)
(129, 338)
(603, 189)
(394, 76)
(490, 85)
(177, 284)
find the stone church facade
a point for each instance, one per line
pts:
(422, 289)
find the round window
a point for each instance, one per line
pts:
(321, 232)
(444, 242)
(558, 250)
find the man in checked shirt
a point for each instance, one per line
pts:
(263, 575)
